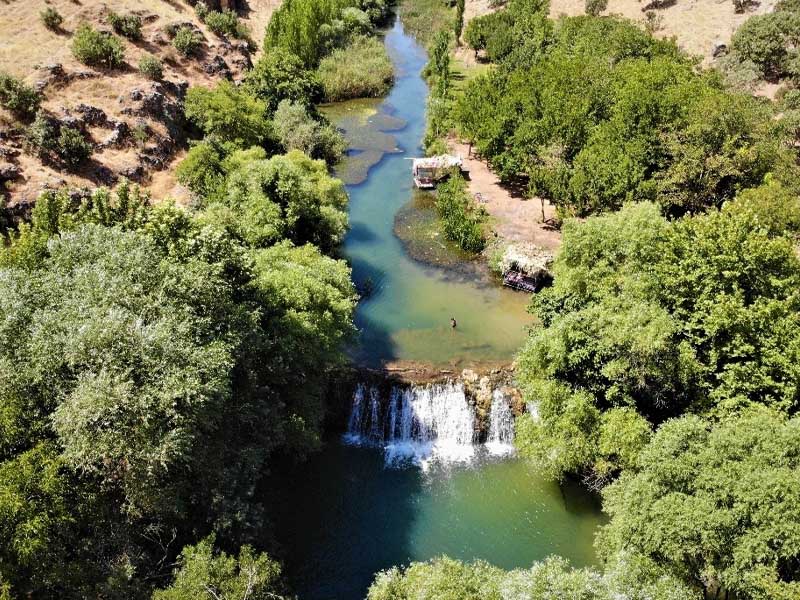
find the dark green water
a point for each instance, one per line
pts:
(407, 315)
(348, 516)
(345, 515)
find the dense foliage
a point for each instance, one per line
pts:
(97, 48)
(715, 504)
(150, 365)
(649, 319)
(550, 579)
(770, 42)
(18, 97)
(57, 142)
(593, 112)
(462, 220)
(360, 70)
(311, 29)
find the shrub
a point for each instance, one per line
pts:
(52, 140)
(362, 69)
(230, 114)
(128, 25)
(201, 170)
(762, 39)
(150, 67)
(595, 7)
(51, 18)
(226, 23)
(71, 147)
(19, 98)
(96, 48)
(187, 41)
(462, 221)
(280, 75)
(297, 130)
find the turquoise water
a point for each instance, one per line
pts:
(347, 517)
(344, 515)
(406, 315)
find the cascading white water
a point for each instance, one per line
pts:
(418, 424)
(500, 440)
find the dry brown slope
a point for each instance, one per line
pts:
(138, 130)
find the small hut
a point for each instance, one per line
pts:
(427, 171)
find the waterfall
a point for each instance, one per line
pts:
(423, 424)
(416, 424)
(500, 440)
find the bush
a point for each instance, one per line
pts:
(362, 69)
(95, 48)
(462, 221)
(280, 75)
(297, 130)
(763, 39)
(226, 23)
(52, 140)
(71, 147)
(128, 25)
(595, 7)
(201, 170)
(230, 114)
(51, 18)
(150, 66)
(187, 41)
(19, 98)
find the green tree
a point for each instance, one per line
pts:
(280, 75)
(715, 504)
(204, 572)
(230, 115)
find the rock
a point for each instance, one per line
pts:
(159, 38)
(216, 65)
(8, 171)
(118, 137)
(718, 49)
(92, 115)
(469, 376)
(133, 172)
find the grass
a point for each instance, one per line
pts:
(423, 18)
(361, 70)
(461, 74)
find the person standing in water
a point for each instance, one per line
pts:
(453, 322)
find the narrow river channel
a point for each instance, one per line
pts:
(347, 513)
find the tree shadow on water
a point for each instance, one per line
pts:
(345, 517)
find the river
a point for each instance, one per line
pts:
(350, 511)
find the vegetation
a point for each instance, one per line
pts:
(657, 318)
(280, 75)
(423, 19)
(166, 387)
(311, 29)
(735, 481)
(360, 70)
(97, 48)
(224, 23)
(205, 572)
(150, 66)
(296, 129)
(462, 220)
(51, 18)
(553, 578)
(187, 41)
(769, 41)
(129, 26)
(611, 115)
(54, 141)
(18, 97)
(595, 7)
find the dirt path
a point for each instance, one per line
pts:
(516, 219)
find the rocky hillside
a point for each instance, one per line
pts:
(134, 124)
